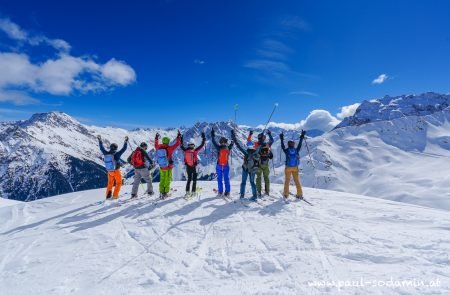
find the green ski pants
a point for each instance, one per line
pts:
(264, 170)
(165, 177)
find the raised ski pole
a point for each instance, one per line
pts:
(307, 148)
(270, 117)
(236, 107)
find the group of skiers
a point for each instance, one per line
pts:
(255, 167)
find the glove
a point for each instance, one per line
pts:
(181, 138)
(203, 135)
(157, 135)
(251, 132)
(269, 132)
(126, 138)
(232, 133)
(213, 133)
(281, 136)
(302, 135)
(99, 137)
(179, 133)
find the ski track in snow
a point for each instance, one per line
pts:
(70, 245)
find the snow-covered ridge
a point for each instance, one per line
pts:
(389, 108)
(70, 245)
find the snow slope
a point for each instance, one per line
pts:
(70, 245)
(7, 202)
(405, 159)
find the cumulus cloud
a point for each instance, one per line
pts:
(118, 72)
(380, 79)
(347, 111)
(317, 119)
(63, 74)
(321, 120)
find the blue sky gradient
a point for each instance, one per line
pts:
(193, 60)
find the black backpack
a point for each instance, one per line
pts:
(252, 162)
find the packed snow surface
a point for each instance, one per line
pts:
(71, 245)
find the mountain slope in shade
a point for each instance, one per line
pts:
(67, 244)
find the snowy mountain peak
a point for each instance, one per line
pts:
(55, 119)
(393, 107)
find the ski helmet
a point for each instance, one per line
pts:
(223, 140)
(291, 143)
(166, 140)
(261, 137)
(250, 145)
(143, 145)
(191, 145)
(113, 147)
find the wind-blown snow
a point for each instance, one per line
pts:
(69, 245)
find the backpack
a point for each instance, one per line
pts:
(266, 152)
(162, 158)
(252, 161)
(189, 158)
(110, 162)
(292, 157)
(137, 160)
(223, 156)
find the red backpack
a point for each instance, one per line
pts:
(223, 156)
(189, 158)
(136, 158)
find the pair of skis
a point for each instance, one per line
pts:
(198, 193)
(287, 201)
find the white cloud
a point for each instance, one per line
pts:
(62, 75)
(321, 120)
(317, 119)
(199, 62)
(347, 111)
(380, 79)
(118, 72)
(16, 70)
(307, 93)
(17, 98)
(286, 126)
(12, 30)
(15, 32)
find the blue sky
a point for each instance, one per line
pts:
(171, 63)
